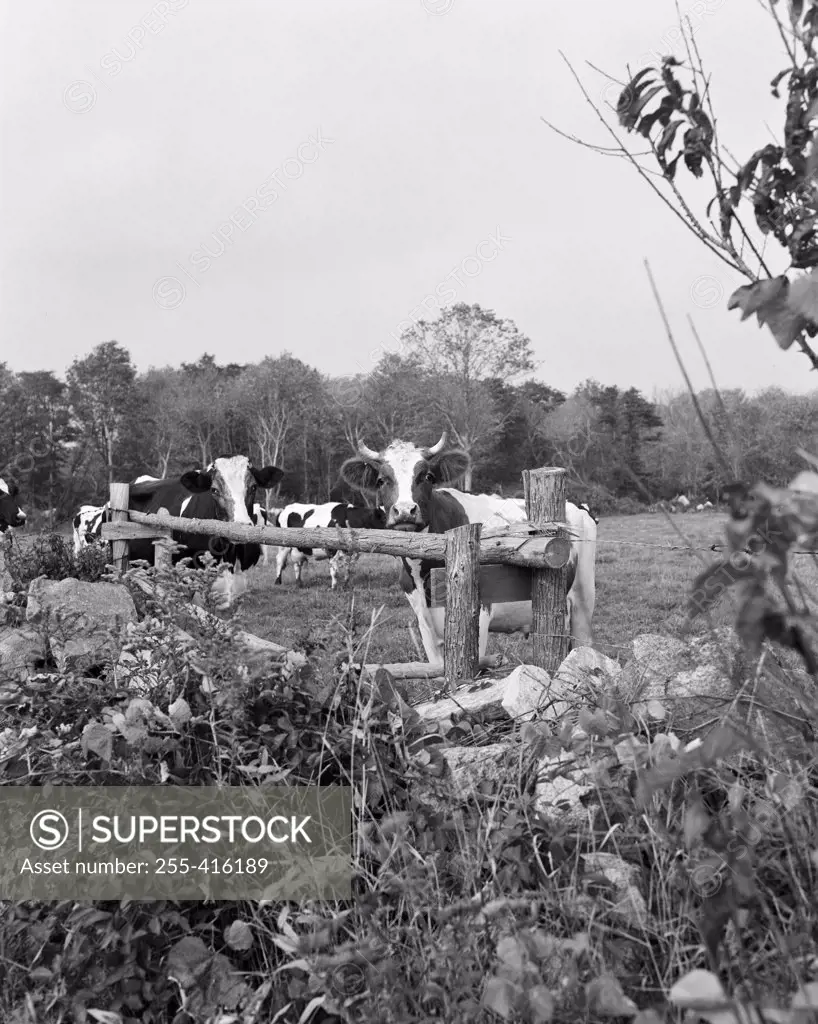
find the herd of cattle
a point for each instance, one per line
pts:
(408, 485)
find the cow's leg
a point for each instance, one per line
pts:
(238, 580)
(299, 558)
(432, 643)
(221, 591)
(483, 628)
(281, 561)
(432, 640)
(338, 568)
(582, 595)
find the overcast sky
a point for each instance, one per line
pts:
(354, 154)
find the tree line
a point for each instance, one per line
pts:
(467, 372)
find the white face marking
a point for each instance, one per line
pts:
(231, 477)
(400, 458)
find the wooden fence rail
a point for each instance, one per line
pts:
(541, 546)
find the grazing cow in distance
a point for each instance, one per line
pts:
(11, 515)
(407, 481)
(330, 514)
(226, 491)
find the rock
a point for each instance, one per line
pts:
(584, 665)
(558, 794)
(696, 684)
(21, 654)
(481, 699)
(629, 902)
(469, 766)
(85, 621)
(528, 692)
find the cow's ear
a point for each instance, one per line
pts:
(450, 466)
(361, 474)
(197, 481)
(267, 477)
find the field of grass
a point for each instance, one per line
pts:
(644, 570)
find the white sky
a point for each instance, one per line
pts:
(436, 143)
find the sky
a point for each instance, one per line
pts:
(264, 176)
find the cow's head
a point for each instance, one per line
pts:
(233, 482)
(403, 477)
(10, 512)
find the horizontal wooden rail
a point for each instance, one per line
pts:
(518, 544)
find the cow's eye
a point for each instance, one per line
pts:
(380, 482)
(429, 478)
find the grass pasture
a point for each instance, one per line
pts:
(643, 575)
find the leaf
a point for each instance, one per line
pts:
(647, 1017)
(540, 1004)
(179, 712)
(96, 739)
(239, 936)
(719, 743)
(667, 137)
(512, 954)
(500, 996)
(670, 170)
(104, 1016)
(656, 710)
(187, 960)
(697, 988)
(714, 581)
(769, 300)
(777, 81)
(605, 998)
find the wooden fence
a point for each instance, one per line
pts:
(524, 561)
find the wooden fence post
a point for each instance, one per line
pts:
(461, 634)
(163, 547)
(118, 498)
(545, 503)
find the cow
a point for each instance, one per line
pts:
(11, 515)
(225, 491)
(408, 480)
(264, 518)
(87, 523)
(330, 514)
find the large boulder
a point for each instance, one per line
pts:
(85, 622)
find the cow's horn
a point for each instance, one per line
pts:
(439, 446)
(366, 452)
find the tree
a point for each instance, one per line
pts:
(774, 188)
(461, 351)
(47, 426)
(100, 388)
(278, 400)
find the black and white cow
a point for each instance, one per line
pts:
(330, 514)
(87, 523)
(263, 517)
(407, 479)
(226, 491)
(10, 512)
